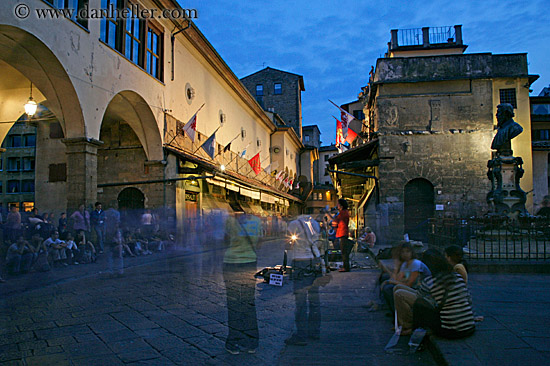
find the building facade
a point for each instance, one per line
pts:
(279, 92)
(540, 126)
(432, 109)
(119, 93)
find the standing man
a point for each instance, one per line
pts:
(97, 219)
(341, 223)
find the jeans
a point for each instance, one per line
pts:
(100, 234)
(306, 296)
(346, 246)
(240, 286)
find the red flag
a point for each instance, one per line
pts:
(255, 163)
(339, 137)
(351, 135)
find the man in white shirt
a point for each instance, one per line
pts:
(56, 249)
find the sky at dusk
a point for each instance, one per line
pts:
(333, 44)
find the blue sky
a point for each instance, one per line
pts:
(333, 44)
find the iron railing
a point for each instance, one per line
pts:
(409, 37)
(494, 238)
(442, 34)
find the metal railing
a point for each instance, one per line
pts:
(494, 238)
(442, 34)
(410, 37)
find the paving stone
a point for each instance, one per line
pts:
(538, 343)
(161, 361)
(84, 350)
(118, 335)
(47, 351)
(139, 355)
(30, 345)
(98, 361)
(128, 345)
(166, 342)
(59, 359)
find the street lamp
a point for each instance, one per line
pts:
(222, 168)
(30, 106)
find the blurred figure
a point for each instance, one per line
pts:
(341, 222)
(13, 224)
(304, 233)
(239, 265)
(20, 257)
(56, 249)
(81, 220)
(97, 219)
(62, 224)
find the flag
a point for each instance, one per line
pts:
(255, 163)
(191, 127)
(243, 153)
(339, 137)
(227, 147)
(298, 185)
(285, 182)
(209, 145)
(346, 119)
(279, 176)
(291, 183)
(268, 169)
(351, 135)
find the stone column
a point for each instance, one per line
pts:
(81, 171)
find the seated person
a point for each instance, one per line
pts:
(20, 256)
(367, 240)
(72, 251)
(455, 318)
(408, 273)
(56, 249)
(454, 254)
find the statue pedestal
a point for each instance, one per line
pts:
(506, 196)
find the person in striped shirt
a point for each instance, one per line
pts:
(448, 289)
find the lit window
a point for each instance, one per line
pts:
(306, 137)
(259, 90)
(27, 206)
(277, 88)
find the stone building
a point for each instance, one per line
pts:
(279, 92)
(17, 168)
(119, 93)
(540, 125)
(432, 109)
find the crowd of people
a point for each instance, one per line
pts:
(40, 241)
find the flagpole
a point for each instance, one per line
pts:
(213, 133)
(229, 143)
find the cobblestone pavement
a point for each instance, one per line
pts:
(171, 310)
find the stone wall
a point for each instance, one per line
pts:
(288, 104)
(122, 159)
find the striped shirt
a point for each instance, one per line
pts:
(456, 313)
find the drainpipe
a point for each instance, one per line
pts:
(173, 40)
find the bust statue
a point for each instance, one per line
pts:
(507, 129)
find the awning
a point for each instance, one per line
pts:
(250, 193)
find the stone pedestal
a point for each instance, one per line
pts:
(506, 196)
(81, 172)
